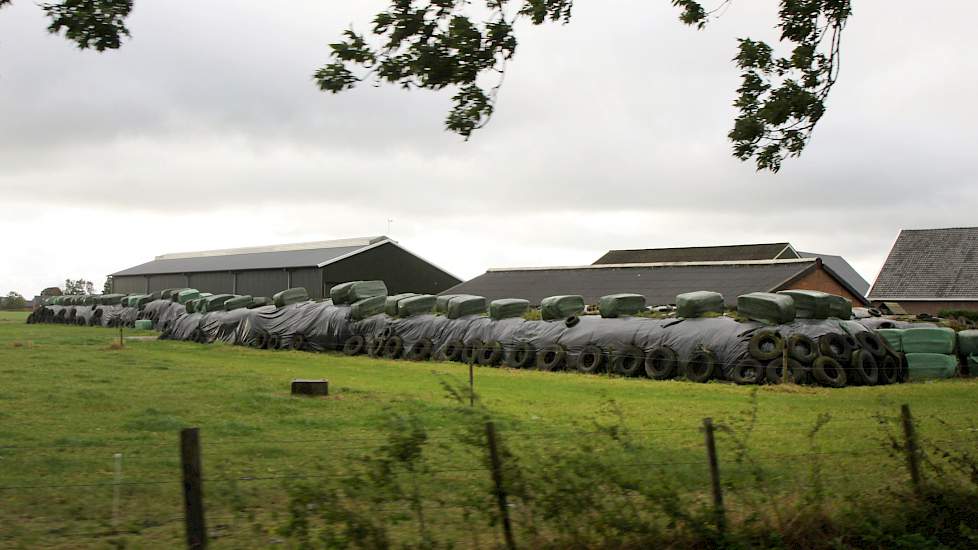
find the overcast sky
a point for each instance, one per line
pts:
(205, 131)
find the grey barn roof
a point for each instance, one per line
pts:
(660, 283)
(841, 267)
(241, 259)
(739, 252)
(930, 264)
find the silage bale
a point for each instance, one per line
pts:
(187, 294)
(839, 307)
(215, 302)
(418, 304)
(143, 300)
(143, 324)
(390, 305)
(696, 304)
(290, 296)
(361, 309)
(260, 301)
(465, 304)
(354, 291)
(238, 302)
(924, 366)
(441, 302)
(111, 299)
(617, 305)
(810, 304)
(893, 336)
(968, 342)
(928, 340)
(766, 307)
(561, 307)
(508, 308)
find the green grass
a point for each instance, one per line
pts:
(69, 402)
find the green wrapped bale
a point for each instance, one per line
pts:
(390, 306)
(368, 307)
(144, 324)
(260, 301)
(973, 365)
(144, 299)
(238, 302)
(441, 302)
(968, 342)
(618, 305)
(90, 300)
(928, 340)
(766, 307)
(839, 307)
(215, 302)
(187, 294)
(561, 307)
(290, 296)
(810, 304)
(508, 308)
(419, 304)
(354, 291)
(929, 366)
(191, 305)
(111, 299)
(465, 304)
(893, 336)
(696, 304)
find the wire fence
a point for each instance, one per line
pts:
(452, 473)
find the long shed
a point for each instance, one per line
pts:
(263, 271)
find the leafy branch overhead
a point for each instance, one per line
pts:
(465, 45)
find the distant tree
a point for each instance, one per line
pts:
(13, 301)
(107, 287)
(81, 286)
(465, 45)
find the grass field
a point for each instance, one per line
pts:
(70, 401)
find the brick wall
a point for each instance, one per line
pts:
(819, 279)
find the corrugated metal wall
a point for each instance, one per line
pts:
(159, 282)
(400, 270)
(263, 282)
(135, 284)
(220, 282)
(311, 278)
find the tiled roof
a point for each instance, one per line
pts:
(930, 264)
(740, 252)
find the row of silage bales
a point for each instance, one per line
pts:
(931, 352)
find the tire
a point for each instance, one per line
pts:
(375, 346)
(591, 359)
(261, 340)
(701, 366)
(274, 341)
(80, 321)
(420, 350)
(453, 350)
(865, 369)
(298, 342)
(766, 344)
(661, 363)
(354, 345)
(629, 361)
(552, 357)
(774, 371)
(491, 354)
(829, 372)
(835, 346)
(471, 351)
(521, 356)
(572, 321)
(871, 342)
(803, 349)
(889, 368)
(747, 371)
(393, 347)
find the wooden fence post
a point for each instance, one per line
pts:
(471, 385)
(711, 454)
(911, 448)
(497, 479)
(193, 496)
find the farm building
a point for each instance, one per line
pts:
(929, 270)
(661, 274)
(263, 271)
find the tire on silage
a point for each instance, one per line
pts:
(661, 363)
(701, 366)
(590, 360)
(765, 345)
(551, 357)
(354, 345)
(748, 371)
(628, 361)
(521, 356)
(829, 372)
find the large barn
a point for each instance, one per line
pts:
(931, 270)
(263, 271)
(662, 273)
